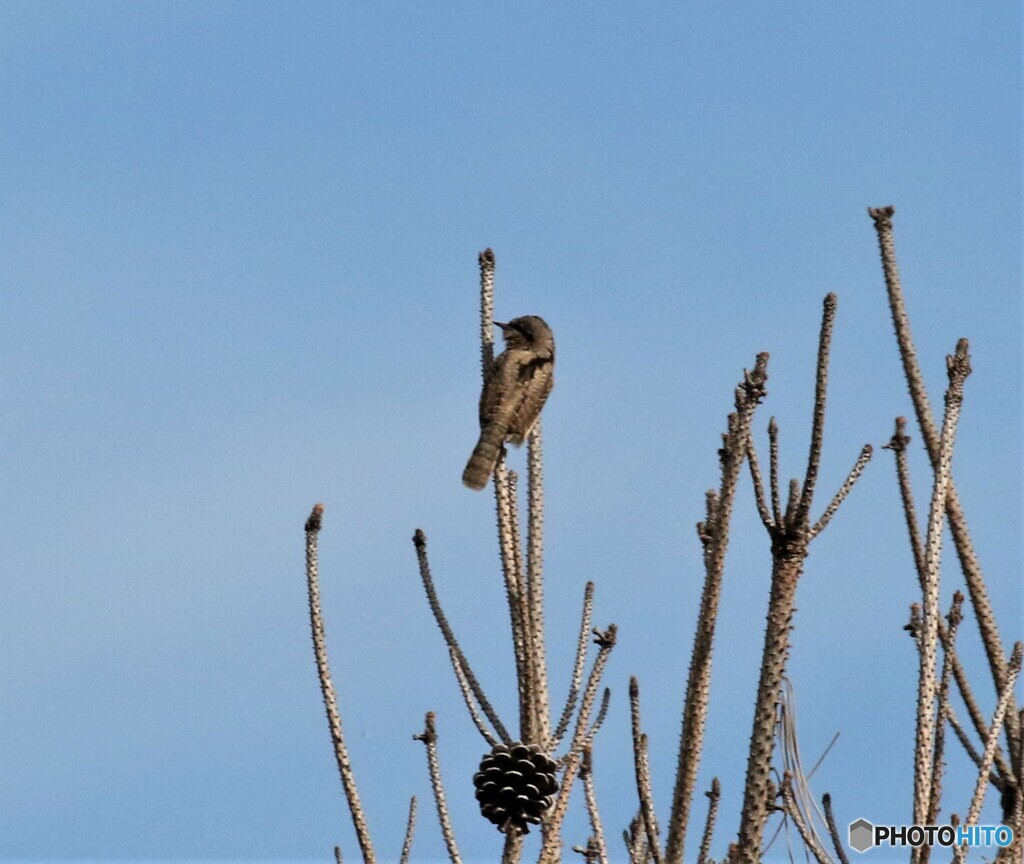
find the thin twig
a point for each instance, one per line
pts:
(636, 840)
(420, 541)
(792, 500)
(830, 820)
(348, 778)
(410, 827)
(642, 772)
(793, 763)
(824, 753)
(898, 444)
(577, 669)
(713, 796)
(590, 795)
(755, 477)
(467, 697)
(844, 490)
(961, 734)
(820, 392)
(429, 737)
(602, 712)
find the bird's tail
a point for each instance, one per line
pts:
(485, 455)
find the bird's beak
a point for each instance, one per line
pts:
(499, 324)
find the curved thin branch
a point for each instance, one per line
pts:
(410, 827)
(577, 669)
(348, 777)
(420, 541)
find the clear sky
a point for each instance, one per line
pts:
(238, 274)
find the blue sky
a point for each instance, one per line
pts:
(238, 270)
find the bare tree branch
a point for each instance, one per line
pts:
(969, 564)
(429, 737)
(420, 541)
(316, 621)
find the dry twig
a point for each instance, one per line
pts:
(429, 738)
(348, 778)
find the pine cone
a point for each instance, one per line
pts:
(515, 785)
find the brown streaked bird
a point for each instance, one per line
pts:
(515, 389)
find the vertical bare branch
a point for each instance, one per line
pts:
(935, 795)
(429, 737)
(820, 393)
(713, 795)
(959, 368)
(348, 778)
(773, 469)
(507, 507)
(593, 812)
(337, 855)
(715, 537)
(486, 262)
(756, 479)
(513, 848)
(969, 563)
(535, 581)
(898, 444)
(791, 502)
(420, 541)
(636, 841)
(641, 769)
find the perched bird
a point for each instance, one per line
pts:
(515, 389)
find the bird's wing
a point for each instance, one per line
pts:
(535, 380)
(499, 382)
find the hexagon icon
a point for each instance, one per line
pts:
(862, 835)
